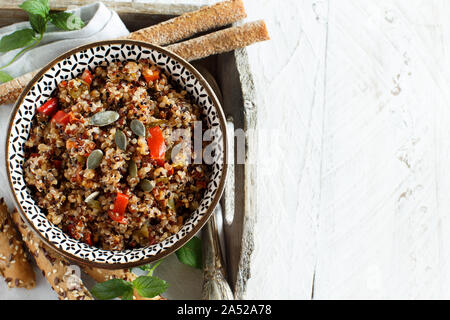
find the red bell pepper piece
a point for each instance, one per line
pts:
(49, 108)
(118, 212)
(156, 145)
(118, 218)
(86, 76)
(61, 118)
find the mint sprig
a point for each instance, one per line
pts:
(191, 253)
(41, 8)
(39, 16)
(147, 286)
(17, 39)
(150, 286)
(112, 289)
(66, 21)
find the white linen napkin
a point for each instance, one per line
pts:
(101, 24)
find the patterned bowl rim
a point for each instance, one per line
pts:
(196, 228)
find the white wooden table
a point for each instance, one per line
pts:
(354, 118)
(354, 200)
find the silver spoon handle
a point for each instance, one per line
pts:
(215, 285)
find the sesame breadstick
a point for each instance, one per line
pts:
(102, 275)
(11, 90)
(191, 23)
(221, 41)
(56, 269)
(14, 265)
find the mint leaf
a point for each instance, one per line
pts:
(17, 39)
(128, 295)
(45, 3)
(38, 23)
(66, 21)
(111, 289)
(191, 253)
(39, 7)
(149, 287)
(4, 77)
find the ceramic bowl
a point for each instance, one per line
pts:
(70, 65)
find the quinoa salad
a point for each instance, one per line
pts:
(101, 160)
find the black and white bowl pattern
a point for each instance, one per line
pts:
(69, 67)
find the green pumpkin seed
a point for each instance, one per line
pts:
(121, 140)
(132, 169)
(92, 196)
(94, 204)
(94, 159)
(138, 128)
(147, 185)
(104, 118)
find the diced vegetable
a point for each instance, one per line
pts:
(61, 118)
(87, 76)
(150, 75)
(118, 218)
(49, 108)
(156, 145)
(70, 144)
(120, 205)
(74, 119)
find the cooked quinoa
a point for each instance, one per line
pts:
(111, 180)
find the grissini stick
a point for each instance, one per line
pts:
(14, 265)
(221, 41)
(10, 91)
(102, 275)
(56, 269)
(197, 48)
(191, 23)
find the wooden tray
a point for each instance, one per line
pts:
(235, 80)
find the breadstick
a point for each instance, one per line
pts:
(102, 275)
(11, 90)
(14, 265)
(56, 269)
(188, 24)
(221, 41)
